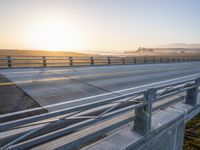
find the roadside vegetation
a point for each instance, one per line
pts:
(192, 134)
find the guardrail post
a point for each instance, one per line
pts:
(123, 60)
(154, 60)
(192, 94)
(145, 60)
(70, 61)
(135, 61)
(142, 123)
(109, 61)
(9, 61)
(92, 60)
(161, 60)
(44, 61)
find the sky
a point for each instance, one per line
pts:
(97, 25)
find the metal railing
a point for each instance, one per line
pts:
(47, 61)
(113, 113)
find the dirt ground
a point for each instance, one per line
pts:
(13, 99)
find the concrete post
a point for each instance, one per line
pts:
(70, 61)
(9, 61)
(142, 123)
(192, 94)
(44, 61)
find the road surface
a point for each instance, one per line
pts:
(64, 87)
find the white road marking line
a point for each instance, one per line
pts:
(118, 91)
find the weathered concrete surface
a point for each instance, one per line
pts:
(167, 132)
(79, 85)
(13, 99)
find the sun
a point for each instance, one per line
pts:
(54, 35)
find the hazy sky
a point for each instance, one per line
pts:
(97, 24)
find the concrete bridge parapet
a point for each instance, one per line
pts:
(167, 132)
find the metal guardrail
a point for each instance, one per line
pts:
(52, 125)
(47, 61)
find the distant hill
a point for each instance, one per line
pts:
(39, 53)
(178, 48)
(180, 45)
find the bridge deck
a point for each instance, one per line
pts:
(164, 95)
(57, 85)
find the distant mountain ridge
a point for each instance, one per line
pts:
(180, 45)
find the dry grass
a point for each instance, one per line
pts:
(192, 134)
(39, 53)
(68, 53)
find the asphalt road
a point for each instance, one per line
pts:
(63, 87)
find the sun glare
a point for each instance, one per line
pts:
(54, 36)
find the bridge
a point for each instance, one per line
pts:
(141, 106)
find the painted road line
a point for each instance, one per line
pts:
(118, 91)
